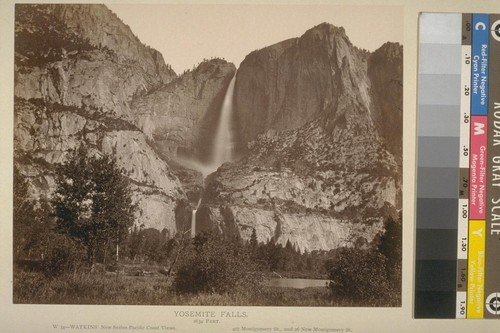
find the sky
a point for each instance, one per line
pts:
(186, 34)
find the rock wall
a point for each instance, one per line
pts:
(321, 74)
(307, 231)
(182, 115)
(78, 71)
(288, 84)
(385, 70)
(102, 28)
(304, 186)
(44, 134)
(83, 56)
(320, 122)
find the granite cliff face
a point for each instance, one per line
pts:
(101, 27)
(320, 121)
(182, 115)
(317, 120)
(320, 75)
(385, 68)
(78, 71)
(83, 56)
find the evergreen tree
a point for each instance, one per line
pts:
(134, 244)
(253, 242)
(23, 213)
(391, 242)
(92, 201)
(391, 246)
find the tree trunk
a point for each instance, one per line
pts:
(117, 251)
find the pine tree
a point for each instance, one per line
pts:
(391, 246)
(92, 201)
(253, 242)
(391, 242)
(23, 212)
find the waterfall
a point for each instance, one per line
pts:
(193, 219)
(222, 144)
(222, 149)
(193, 223)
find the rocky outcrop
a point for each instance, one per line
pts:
(45, 133)
(320, 121)
(103, 29)
(78, 69)
(307, 231)
(156, 189)
(285, 85)
(308, 187)
(321, 74)
(385, 70)
(83, 56)
(92, 81)
(181, 116)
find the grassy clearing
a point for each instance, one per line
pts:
(87, 288)
(125, 288)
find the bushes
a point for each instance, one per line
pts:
(371, 276)
(62, 255)
(216, 265)
(360, 276)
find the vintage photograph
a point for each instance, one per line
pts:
(245, 155)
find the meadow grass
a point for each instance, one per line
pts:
(121, 289)
(86, 288)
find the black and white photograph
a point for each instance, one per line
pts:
(208, 155)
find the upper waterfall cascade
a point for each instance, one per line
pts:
(222, 149)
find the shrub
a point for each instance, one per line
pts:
(216, 265)
(359, 276)
(62, 255)
(391, 242)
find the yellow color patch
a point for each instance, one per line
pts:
(475, 283)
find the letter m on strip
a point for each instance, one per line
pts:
(478, 128)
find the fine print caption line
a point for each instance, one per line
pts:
(159, 328)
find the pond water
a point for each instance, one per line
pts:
(296, 283)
